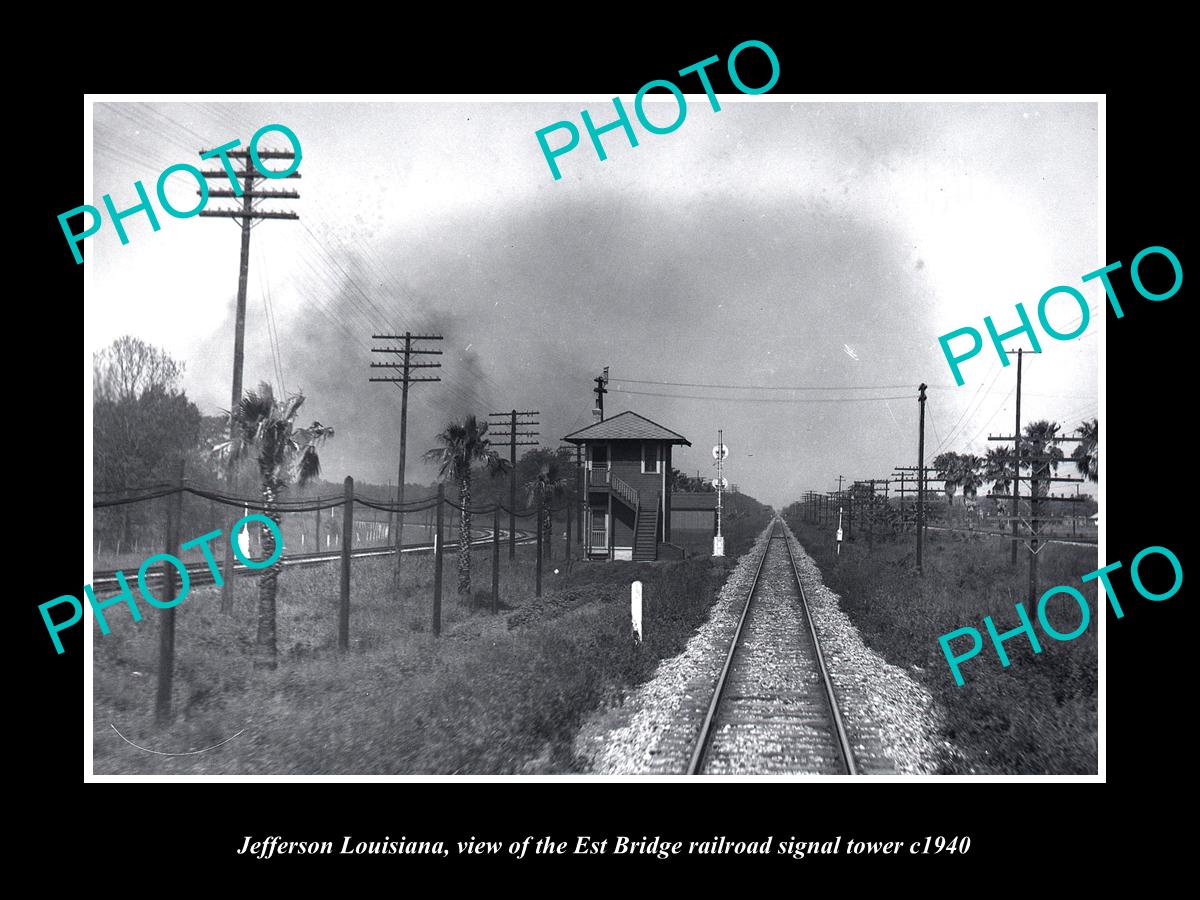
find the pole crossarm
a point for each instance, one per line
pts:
(262, 154)
(242, 214)
(403, 380)
(1028, 440)
(255, 174)
(406, 365)
(253, 193)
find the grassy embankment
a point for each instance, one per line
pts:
(1039, 714)
(495, 694)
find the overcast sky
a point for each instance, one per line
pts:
(773, 243)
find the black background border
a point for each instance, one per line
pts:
(1147, 393)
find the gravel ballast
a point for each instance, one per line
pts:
(653, 731)
(891, 720)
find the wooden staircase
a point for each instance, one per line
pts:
(645, 537)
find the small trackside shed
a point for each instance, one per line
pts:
(694, 513)
(627, 467)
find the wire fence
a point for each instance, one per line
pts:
(174, 578)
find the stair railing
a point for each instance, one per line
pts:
(627, 493)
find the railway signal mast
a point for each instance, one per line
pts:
(720, 451)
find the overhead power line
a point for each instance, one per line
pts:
(768, 387)
(760, 399)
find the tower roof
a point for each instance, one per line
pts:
(626, 426)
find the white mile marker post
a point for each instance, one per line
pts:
(635, 611)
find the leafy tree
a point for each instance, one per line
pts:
(129, 367)
(1087, 452)
(464, 445)
(142, 423)
(682, 483)
(265, 430)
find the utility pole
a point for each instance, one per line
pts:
(514, 425)
(406, 366)
(242, 185)
(581, 494)
(1017, 454)
(564, 451)
(1040, 463)
(921, 483)
(600, 390)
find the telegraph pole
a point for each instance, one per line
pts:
(248, 214)
(581, 494)
(1017, 453)
(516, 420)
(600, 390)
(1040, 475)
(921, 483)
(406, 366)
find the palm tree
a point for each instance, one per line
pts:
(947, 466)
(970, 474)
(998, 468)
(463, 445)
(1040, 440)
(548, 485)
(266, 431)
(1087, 453)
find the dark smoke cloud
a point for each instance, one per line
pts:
(533, 301)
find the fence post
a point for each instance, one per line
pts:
(347, 546)
(496, 560)
(166, 617)
(437, 564)
(538, 589)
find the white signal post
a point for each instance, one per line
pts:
(635, 610)
(719, 453)
(839, 532)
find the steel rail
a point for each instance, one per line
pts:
(200, 573)
(702, 743)
(838, 724)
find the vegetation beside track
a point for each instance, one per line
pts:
(495, 694)
(1038, 715)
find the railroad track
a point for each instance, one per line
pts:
(200, 574)
(773, 709)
